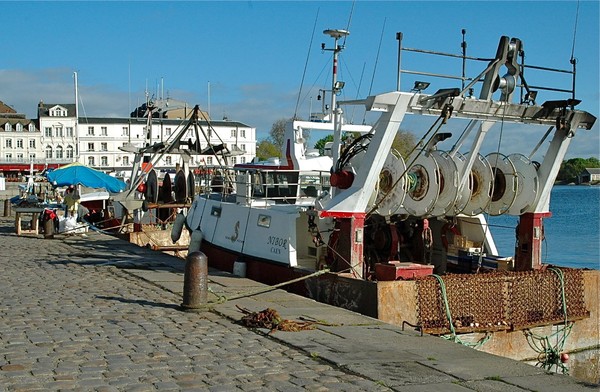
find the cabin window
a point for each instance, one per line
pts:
(312, 185)
(215, 211)
(264, 221)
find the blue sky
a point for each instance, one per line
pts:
(253, 54)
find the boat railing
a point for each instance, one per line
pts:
(527, 93)
(262, 185)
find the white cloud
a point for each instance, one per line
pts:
(258, 105)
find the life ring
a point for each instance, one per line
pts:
(449, 227)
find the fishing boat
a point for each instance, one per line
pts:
(363, 205)
(367, 220)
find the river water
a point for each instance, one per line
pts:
(571, 234)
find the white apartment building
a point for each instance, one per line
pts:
(100, 139)
(58, 137)
(21, 144)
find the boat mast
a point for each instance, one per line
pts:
(335, 88)
(76, 116)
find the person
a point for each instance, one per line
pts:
(71, 201)
(216, 183)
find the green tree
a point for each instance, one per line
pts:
(277, 133)
(572, 168)
(266, 149)
(404, 142)
(320, 144)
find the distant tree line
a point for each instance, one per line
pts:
(572, 168)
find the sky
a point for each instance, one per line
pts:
(261, 61)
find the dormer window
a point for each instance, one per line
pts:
(31, 127)
(58, 111)
(8, 127)
(19, 127)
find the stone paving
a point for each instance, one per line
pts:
(91, 312)
(67, 323)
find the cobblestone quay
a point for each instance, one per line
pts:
(94, 313)
(69, 322)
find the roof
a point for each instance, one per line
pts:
(592, 170)
(16, 120)
(4, 108)
(44, 108)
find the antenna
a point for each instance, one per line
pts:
(573, 60)
(208, 99)
(335, 88)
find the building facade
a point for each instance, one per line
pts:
(59, 137)
(589, 175)
(20, 144)
(102, 140)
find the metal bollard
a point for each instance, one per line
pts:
(7, 207)
(49, 228)
(195, 282)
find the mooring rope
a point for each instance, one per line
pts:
(223, 299)
(453, 336)
(550, 355)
